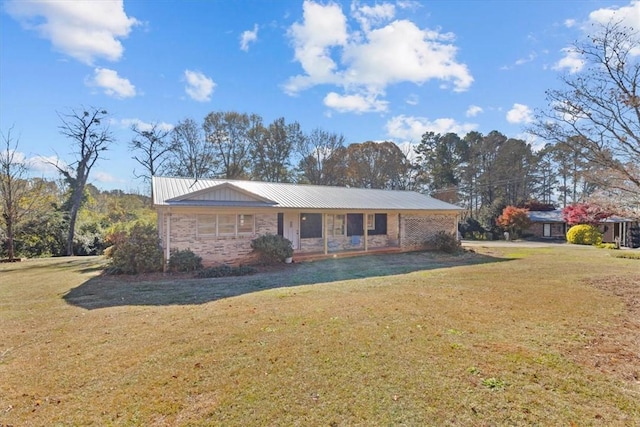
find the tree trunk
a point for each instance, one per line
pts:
(76, 202)
(10, 245)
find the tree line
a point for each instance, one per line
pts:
(592, 127)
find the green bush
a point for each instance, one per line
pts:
(138, 251)
(445, 242)
(225, 271)
(184, 260)
(272, 248)
(584, 234)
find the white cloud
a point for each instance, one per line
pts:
(354, 103)
(572, 61)
(84, 30)
(380, 54)
(628, 16)
(529, 58)
(473, 111)
(519, 113)
(323, 28)
(372, 15)
(112, 84)
(412, 99)
(199, 87)
(144, 126)
(105, 177)
(45, 164)
(248, 37)
(409, 128)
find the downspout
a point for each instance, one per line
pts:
(168, 240)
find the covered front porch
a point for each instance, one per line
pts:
(332, 233)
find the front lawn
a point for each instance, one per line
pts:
(539, 336)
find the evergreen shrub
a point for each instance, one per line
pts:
(184, 260)
(138, 251)
(272, 248)
(445, 242)
(584, 234)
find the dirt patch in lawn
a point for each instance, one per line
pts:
(615, 349)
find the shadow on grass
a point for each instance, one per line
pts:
(112, 291)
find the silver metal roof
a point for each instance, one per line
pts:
(292, 196)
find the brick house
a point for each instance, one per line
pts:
(217, 219)
(547, 224)
(551, 225)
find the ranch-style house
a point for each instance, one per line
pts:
(218, 218)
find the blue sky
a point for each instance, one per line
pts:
(368, 70)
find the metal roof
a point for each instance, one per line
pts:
(168, 191)
(546, 216)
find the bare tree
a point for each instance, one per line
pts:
(271, 149)
(316, 151)
(90, 136)
(229, 133)
(191, 155)
(153, 145)
(598, 110)
(19, 195)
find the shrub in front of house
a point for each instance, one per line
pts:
(272, 248)
(225, 271)
(184, 260)
(584, 234)
(137, 251)
(445, 242)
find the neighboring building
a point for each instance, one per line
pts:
(551, 225)
(547, 224)
(217, 219)
(616, 229)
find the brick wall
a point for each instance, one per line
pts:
(216, 250)
(537, 230)
(415, 230)
(411, 230)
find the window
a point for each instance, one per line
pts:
(226, 225)
(245, 224)
(380, 225)
(206, 225)
(355, 226)
(335, 225)
(310, 225)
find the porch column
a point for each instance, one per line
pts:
(325, 232)
(366, 231)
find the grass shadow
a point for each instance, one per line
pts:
(112, 291)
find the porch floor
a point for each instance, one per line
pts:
(312, 256)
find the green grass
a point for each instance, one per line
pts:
(406, 339)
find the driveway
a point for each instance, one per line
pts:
(511, 243)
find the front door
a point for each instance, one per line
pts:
(290, 228)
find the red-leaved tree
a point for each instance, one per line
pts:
(514, 219)
(585, 213)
